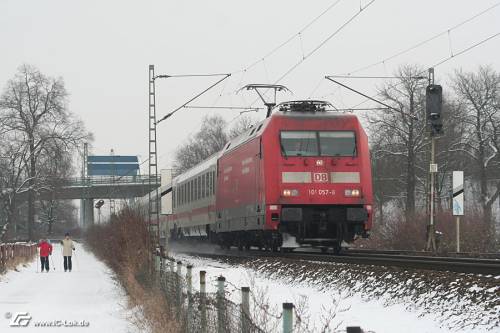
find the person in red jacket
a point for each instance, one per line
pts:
(45, 252)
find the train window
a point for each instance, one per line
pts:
(337, 143)
(258, 128)
(195, 189)
(214, 182)
(186, 193)
(299, 143)
(183, 188)
(206, 185)
(190, 199)
(173, 198)
(198, 188)
(180, 195)
(202, 186)
(210, 182)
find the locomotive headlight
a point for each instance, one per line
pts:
(290, 193)
(352, 193)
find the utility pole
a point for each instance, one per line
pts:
(153, 205)
(434, 102)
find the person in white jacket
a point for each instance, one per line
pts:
(68, 249)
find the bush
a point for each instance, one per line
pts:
(397, 234)
(123, 245)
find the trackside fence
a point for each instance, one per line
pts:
(213, 312)
(200, 311)
(12, 252)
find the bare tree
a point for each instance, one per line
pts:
(211, 138)
(241, 125)
(479, 95)
(55, 163)
(400, 134)
(33, 108)
(12, 173)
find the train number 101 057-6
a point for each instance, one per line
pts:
(323, 192)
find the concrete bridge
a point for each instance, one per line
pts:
(87, 189)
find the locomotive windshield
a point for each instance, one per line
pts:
(299, 143)
(321, 143)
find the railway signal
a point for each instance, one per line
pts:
(434, 103)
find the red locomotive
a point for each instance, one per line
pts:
(300, 177)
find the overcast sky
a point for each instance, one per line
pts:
(102, 49)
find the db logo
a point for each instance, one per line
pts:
(320, 177)
(20, 319)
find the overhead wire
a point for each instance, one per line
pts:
(467, 49)
(298, 34)
(324, 42)
(417, 45)
(318, 47)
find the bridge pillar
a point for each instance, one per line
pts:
(86, 212)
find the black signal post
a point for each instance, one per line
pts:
(433, 105)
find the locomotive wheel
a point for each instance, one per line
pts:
(324, 250)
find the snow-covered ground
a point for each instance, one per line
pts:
(88, 296)
(318, 298)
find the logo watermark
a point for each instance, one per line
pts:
(24, 319)
(18, 319)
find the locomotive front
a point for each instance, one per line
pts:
(318, 184)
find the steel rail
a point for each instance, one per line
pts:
(460, 255)
(452, 264)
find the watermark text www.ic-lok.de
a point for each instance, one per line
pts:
(24, 319)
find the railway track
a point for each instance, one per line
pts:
(474, 255)
(435, 263)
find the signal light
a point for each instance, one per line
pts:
(352, 192)
(433, 106)
(290, 193)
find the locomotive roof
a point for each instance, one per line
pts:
(253, 132)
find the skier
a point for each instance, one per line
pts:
(68, 249)
(45, 252)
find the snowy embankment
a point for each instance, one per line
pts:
(378, 299)
(87, 297)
